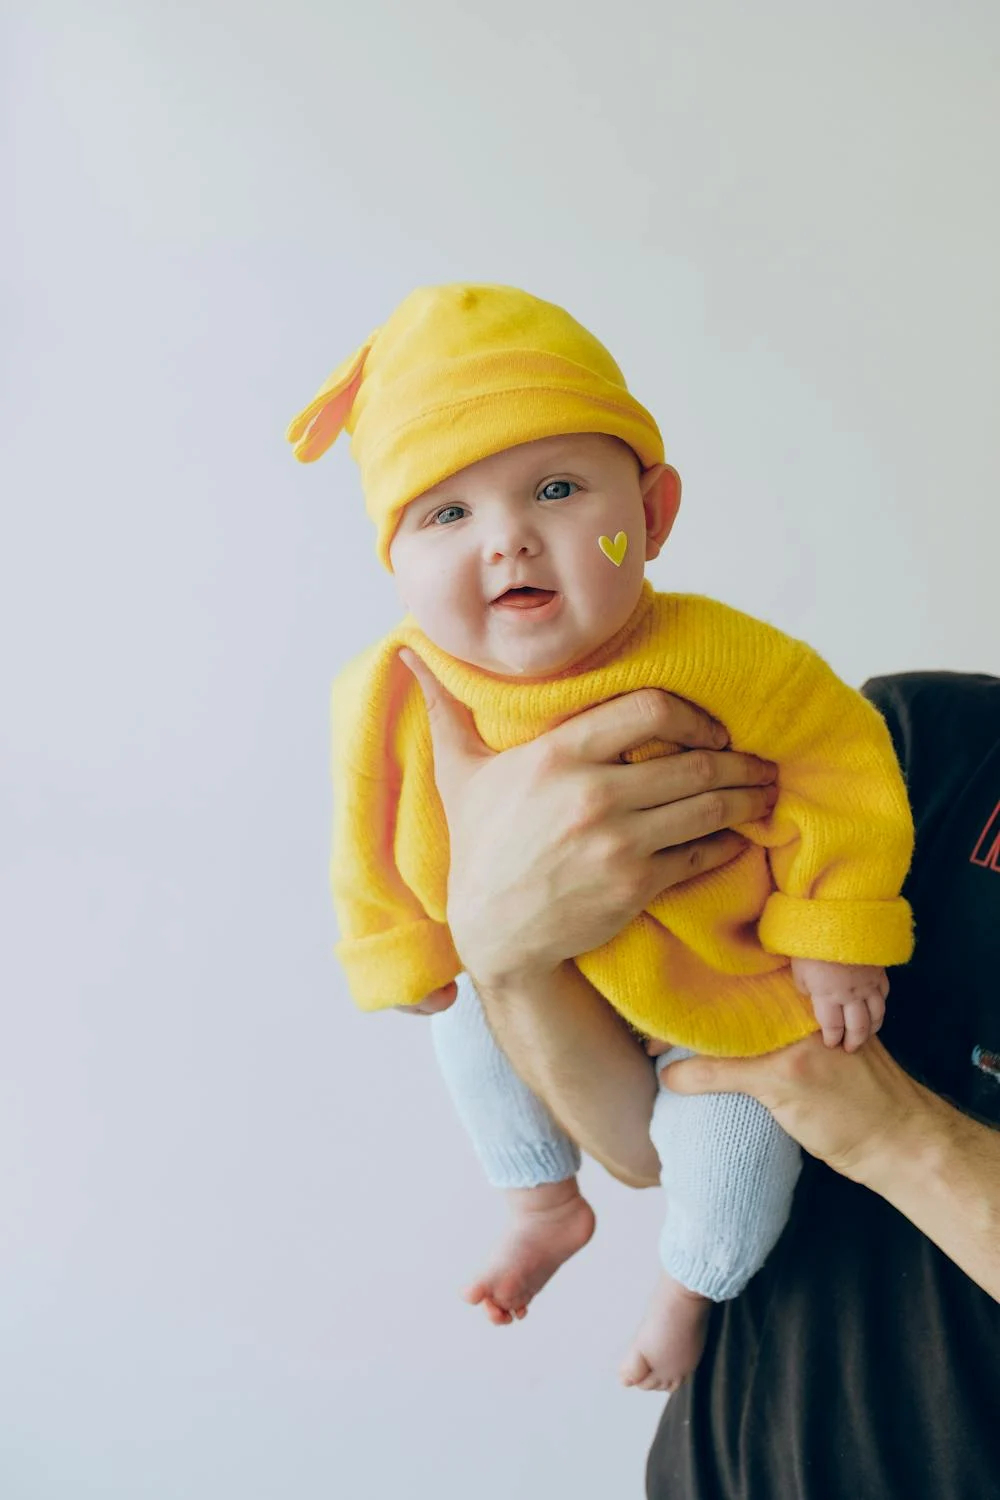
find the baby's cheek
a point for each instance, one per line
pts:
(611, 591)
(443, 607)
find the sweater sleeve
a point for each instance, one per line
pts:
(392, 951)
(840, 837)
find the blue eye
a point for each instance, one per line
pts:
(448, 515)
(558, 489)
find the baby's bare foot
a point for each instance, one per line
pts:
(551, 1223)
(670, 1340)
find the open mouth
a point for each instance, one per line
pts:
(524, 599)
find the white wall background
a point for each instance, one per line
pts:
(235, 1214)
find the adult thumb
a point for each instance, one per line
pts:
(705, 1075)
(454, 737)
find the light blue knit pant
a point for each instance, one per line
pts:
(727, 1169)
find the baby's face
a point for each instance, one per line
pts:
(501, 566)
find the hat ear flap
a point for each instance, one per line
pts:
(317, 428)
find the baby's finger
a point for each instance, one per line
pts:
(830, 1015)
(876, 1008)
(857, 1025)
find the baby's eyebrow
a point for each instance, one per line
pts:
(568, 456)
(559, 450)
(435, 497)
(555, 473)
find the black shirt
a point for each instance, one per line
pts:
(860, 1363)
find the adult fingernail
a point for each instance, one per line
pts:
(770, 795)
(720, 735)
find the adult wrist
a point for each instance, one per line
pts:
(914, 1149)
(503, 980)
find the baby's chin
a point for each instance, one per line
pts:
(519, 649)
(536, 661)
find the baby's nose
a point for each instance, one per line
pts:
(512, 539)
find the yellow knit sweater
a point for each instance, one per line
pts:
(706, 965)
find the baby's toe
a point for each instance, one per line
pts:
(497, 1314)
(635, 1368)
(509, 1292)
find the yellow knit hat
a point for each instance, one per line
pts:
(457, 374)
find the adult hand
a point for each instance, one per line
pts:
(852, 1110)
(556, 844)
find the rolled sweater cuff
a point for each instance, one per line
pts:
(528, 1164)
(842, 932)
(400, 966)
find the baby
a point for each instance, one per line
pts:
(518, 489)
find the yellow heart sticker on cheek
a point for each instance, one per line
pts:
(615, 550)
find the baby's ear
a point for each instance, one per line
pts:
(317, 428)
(661, 498)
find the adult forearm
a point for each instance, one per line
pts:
(578, 1055)
(943, 1172)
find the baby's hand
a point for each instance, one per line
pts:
(848, 999)
(437, 1000)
